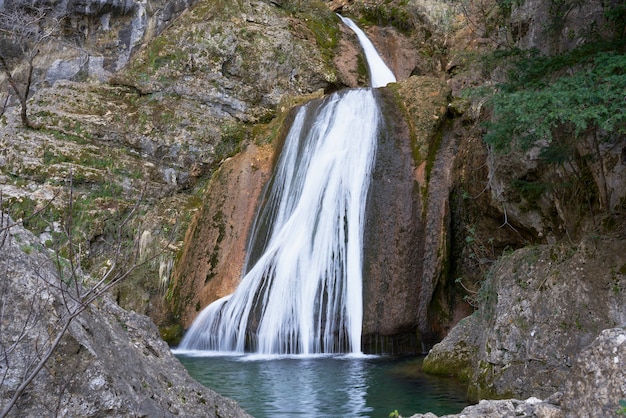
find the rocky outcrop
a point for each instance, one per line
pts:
(239, 60)
(539, 309)
(193, 97)
(212, 260)
(595, 387)
(529, 408)
(98, 37)
(109, 361)
(554, 28)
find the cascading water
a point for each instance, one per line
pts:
(301, 292)
(380, 74)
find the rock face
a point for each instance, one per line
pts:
(109, 361)
(101, 36)
(406, 222)
(597, 382)
(554, 28)
(522, 342)
(191, 98)
(594, 388)
(212, 261)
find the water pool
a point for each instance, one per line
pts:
(326, 386)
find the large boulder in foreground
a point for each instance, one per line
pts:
(597, 382)
(540, 308)
(109, 362)
(596, 387)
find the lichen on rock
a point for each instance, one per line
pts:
(525, 344)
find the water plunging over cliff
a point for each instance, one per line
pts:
(302, 291)
(380, 74)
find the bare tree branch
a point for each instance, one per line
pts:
(24, 29)
(74, 295)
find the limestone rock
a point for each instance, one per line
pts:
(597, 382)
(593, 388)
(455, 354)
(527, 342)
(554, 28)
(529, 408)
(405, 245)
(109, 362)
(213, 257)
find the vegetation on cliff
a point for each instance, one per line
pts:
(562, 106)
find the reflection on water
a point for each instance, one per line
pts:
(326, 386)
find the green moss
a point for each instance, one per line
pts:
(324, 25)
(172, 334)
(395, 15)
(361, 67)
(449, 365)
(233, 136)
(36, 216)
(162, 51)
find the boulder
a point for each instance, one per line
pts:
(540, 308)
(596, 386)
(108, 362)
(529, 408)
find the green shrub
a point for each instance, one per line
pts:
(544, 95)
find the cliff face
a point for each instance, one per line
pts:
(544, 299)
(405, 242)
(155, 133)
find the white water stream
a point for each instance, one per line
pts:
(380, 74)
(302, 291)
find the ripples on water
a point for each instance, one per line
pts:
(326, 386)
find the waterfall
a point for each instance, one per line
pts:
(301, 292)
(380, 74)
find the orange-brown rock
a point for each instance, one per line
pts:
(211, 263)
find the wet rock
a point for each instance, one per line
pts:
(455, 354)
(405, 234)
(213, 256)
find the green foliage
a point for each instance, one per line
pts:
(616, 17)
(233, 135)
(388, 15)
(546, 94)
(621, 410)
(35, 216)
(507, 5)
(161, 52)
(531, 191)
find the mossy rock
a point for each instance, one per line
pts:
(172, 334)
(456, 354)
